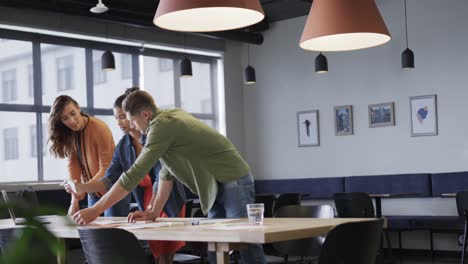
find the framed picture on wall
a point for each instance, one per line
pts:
(381, 115)
(343, 120)
(423, 115)
(308, 128)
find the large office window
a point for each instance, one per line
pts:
(160, 84)
(165, 65)
(99, 76)
(30, 73)
(196, 92)
(115, 85)
(126, 66)
(9, 89)
(72, 67)
(10, 143)
(65, 73)
(34, 137)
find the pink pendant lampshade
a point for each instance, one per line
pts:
(339, 25)
(207, 15)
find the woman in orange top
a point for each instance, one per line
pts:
(88, 144)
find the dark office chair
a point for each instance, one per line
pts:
(358, 205)
(268, 201)
(286, 199)
(14, 241)
(352, 243)
(309, 247)
(7, 236)
(462, 207)
(354, 205)
(112, 246)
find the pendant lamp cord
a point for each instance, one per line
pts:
(406, 27)
(185, 49)
(107, 33)
(248, 54)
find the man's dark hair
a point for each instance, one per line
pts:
(137, 101)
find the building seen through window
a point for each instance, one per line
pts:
(63, 70)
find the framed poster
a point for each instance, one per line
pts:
(423, 115)
(308, 128)
(343, 120)
(381, 115)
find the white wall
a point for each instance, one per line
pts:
(287, 83)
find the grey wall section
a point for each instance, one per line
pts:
(234, 95)
(286, 83)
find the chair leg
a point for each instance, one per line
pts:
(431, 238)
(400, 247)
(464, 243)
(389, 246)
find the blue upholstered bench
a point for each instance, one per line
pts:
(311, 188)
(411, 184)
(449, 182)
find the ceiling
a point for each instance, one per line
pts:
(141, 12)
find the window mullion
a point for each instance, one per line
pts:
(177, 92)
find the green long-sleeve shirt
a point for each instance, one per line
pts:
(189, 150)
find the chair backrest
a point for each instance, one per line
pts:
(285, 199)
(462, 203)
(354, 204)
(309, 247)
(111, 246)
(352, 243)
(268, 200)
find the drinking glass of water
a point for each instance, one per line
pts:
(255, 213)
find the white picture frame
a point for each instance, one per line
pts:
(308, 128)
(343, 120)
(423, 110)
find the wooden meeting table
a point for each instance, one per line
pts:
(221, 237)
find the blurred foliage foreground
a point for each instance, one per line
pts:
(31, 242)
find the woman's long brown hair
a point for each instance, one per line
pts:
(60, 136)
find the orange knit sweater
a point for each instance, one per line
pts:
(97, 148)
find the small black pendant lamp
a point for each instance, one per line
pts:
(407, 57)
(321, 64)
(107, 61)
(249, 72)
(107, 58)
(185, 65)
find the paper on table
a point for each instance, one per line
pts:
(109, 222)
(131, 226)
(213, 221)
(237, 226)
(72, 185)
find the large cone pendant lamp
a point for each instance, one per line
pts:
(340, 25)
(207, 15)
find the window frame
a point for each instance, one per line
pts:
(39, 108)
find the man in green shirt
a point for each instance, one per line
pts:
(190, 151)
